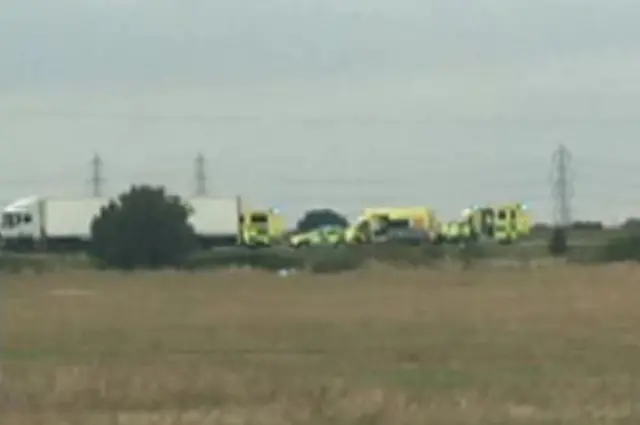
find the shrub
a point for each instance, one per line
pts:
(631, 225)
(622, 248)
(144, 228)
(587, 225)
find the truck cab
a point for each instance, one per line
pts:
(482, 222)
(503, 223)
(515, 218)
(505, 230)
(20, 224)
(261, 227)
(524, 220)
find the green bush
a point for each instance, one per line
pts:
(587, 225)
(622, 248)
(631, 225)
(144, 228)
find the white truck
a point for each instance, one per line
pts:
(49, 223)
(56, 224)
(216, 221)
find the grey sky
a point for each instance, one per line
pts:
(442, 103)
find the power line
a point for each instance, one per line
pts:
(562, 186)
(368, 119)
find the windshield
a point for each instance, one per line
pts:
(10, 220)
(259, 218)
(13, 219)
(7, 220)
(399, 224)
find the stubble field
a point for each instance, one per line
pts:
(379, 346)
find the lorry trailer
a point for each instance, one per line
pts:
(216, 221)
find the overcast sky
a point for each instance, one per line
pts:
(345, 103)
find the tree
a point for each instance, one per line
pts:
(321, 217)
(558, 243)
(622, 248)
(587, 225)
(144, 228)
(631, 225)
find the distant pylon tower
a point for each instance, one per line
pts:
(97, 179)
(201, 175)
(562, 187)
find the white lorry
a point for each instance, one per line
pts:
(55, 224)
(49, 223)
(216, 221)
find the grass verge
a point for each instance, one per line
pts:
(379, 345)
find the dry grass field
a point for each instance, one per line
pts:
(379, 346)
